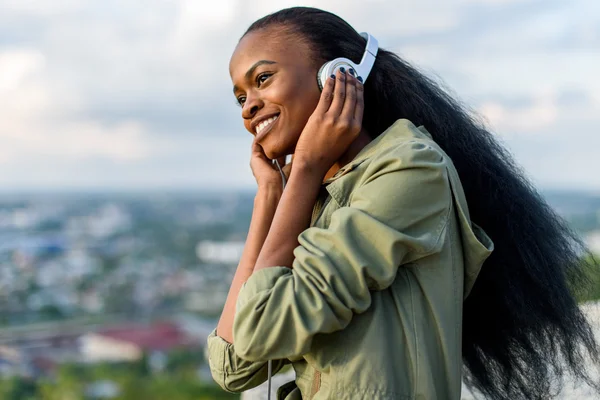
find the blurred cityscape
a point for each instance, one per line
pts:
(92, 285)
(111, 278)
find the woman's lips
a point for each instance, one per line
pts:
(267, 129)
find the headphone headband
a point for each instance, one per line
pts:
(362, 69)
(368, 58)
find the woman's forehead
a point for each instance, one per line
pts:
(265, 45)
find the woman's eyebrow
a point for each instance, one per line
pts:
(252, 68)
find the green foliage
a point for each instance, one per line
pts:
(17, 388)
(179, 381)
(183, 359)
(51, 313)
(589, 290)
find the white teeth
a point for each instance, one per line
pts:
(265, 123)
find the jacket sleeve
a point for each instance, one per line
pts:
(396, 216)
(230, 371)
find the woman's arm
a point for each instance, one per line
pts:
(291, 218)
(333, 126)
(396, 216)
(265, 204)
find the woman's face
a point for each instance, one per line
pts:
(274, 81)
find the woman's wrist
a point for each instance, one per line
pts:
(268, 193)
(307, 171)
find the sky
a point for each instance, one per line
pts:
(128, 95)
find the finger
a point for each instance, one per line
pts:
(257, 150)
(256, 147)
(347, 113)
(339, 93)
(326, 95)
(360, 102)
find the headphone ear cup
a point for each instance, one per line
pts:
(331, 68)
(320, 76)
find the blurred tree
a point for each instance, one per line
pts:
(67, 385)
(17, 388)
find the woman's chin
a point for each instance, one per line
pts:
(269, 154)
(273, 154)
(277, 149)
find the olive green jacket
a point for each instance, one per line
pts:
(372, 306)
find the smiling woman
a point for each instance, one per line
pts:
(406, 247)
(282, 85)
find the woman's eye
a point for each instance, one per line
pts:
(262, 77)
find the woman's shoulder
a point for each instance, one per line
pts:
(404, 146)
(402, 159)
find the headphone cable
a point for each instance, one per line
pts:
(270, 362)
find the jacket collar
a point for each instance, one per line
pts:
(400, 130)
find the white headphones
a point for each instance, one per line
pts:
(362, 69)
(331, 67)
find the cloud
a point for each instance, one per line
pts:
(191, 163)
(16, 66)
(138, 94)
(540, 114)
(75, 141)
(533, 113)
(36, 120)
(40, 8)
(563, 155)
(196, 18)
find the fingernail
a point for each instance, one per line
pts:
(360, 79)
(332, 76)
(351, 71)
(342, 70)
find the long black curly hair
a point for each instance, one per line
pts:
(522, 327)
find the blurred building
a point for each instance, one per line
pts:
(130, 343)
(210, 251)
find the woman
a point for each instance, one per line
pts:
(367, 272)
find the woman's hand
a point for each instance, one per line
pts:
(263, 169)
(333, 126)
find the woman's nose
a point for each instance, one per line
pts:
(251, 106)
